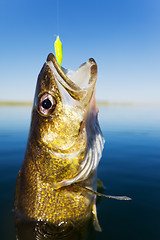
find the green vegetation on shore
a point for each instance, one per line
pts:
(99, 103)
(15, 103)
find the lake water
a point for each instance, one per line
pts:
(130, 166)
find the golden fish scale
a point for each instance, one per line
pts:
(63, 131)
(41, 169)
(58, 147)
(42, 202)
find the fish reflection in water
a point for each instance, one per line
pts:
(54, 198)
(30, 230)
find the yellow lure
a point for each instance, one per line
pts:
(58, 50)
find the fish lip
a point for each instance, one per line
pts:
(51, 57)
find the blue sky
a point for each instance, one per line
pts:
(122, 36)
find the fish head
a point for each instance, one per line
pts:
(61, 131)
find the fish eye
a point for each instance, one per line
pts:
(46, 104)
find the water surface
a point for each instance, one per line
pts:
(130, 166)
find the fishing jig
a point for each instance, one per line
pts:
(58, 50)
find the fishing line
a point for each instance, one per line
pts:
(58, 17)
(57, 44)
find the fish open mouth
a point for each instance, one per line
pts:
(80, 83)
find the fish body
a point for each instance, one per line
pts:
(64, 148)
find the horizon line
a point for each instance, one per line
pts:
(99, 103)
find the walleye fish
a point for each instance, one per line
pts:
(63, 151)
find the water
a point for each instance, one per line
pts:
(130, 166)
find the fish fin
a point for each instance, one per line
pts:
(100, 185)
(103, 195)
(96, 224)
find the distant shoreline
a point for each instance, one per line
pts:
(16, 103)
(99, 103)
